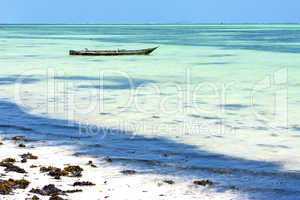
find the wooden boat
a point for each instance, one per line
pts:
(122, 52)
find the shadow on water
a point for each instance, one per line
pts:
(158, 155)
(13, 79)
(212, 63)
(233, 107)
(108, 82)
(220, 55)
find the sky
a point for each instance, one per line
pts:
(152, 11)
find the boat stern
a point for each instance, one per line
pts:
(72, 52)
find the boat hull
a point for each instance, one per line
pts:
(112, 53)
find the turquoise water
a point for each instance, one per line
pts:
(212, 97)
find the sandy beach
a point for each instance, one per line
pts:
(103, 179)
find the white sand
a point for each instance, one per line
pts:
(110, 183)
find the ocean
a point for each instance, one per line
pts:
(213, 101)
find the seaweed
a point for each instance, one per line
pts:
(203, 182)
(73, 191)
(71, 171)
(54, 172)
(56, 197)
(22, 145)
(90, 163)
(35, 197)
(48, 190)
(83, 183)
(170, 182)
(10, 167)
(29, 156)
(8, 160)
(7, 187)
(74, 171)
(128, 172)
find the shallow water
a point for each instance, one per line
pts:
(213, 101)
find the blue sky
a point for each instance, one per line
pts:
(153, 11)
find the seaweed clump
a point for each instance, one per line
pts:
(73, 191)
(54, 172)
(90, 163)
(22, 145)
(203, 182)
(48, 190)
(128, 172)
(170, 182)
(71, 171)
(29, 156)
(83, 183)
(54, 192)
(8, 160)
(56, 197)
(7, 187)
(35, 197)
(74, 171)
(8, 163)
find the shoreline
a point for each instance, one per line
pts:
(111, 181)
